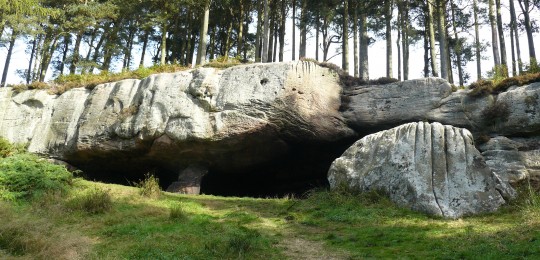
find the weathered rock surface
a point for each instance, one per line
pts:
(373, 108)
(430, 168)
(386, 106)
(189, 180)
(229, 119)
(513, 159)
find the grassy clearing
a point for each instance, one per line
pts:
(334, 225)
(79, 219)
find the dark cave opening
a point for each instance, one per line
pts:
(302, 169)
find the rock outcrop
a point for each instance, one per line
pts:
(231, 120)
(431, 168)
(514, 159)
(374, 108)
(250, 125)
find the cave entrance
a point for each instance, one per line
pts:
(302, 169)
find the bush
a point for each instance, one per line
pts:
(93, 201)
(149, 187)
(23, 176)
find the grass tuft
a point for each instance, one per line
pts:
(94, 201)
(177, 212)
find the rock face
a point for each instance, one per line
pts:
(382, 107)
(231, 120)
(374, 108)
(513, 159)
(430, 168)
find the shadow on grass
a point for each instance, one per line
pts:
(381, 230)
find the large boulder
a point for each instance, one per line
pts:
(231, 120)
(430, 168)
(514, 159)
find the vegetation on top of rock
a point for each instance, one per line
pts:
(483, 87)
(347, 80)
(66, 82)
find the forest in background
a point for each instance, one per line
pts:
(82, 37)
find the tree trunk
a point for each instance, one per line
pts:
(228, 40)
(163, 58)
(364, 45)
(399, 29)
(8, 58)
(502, 44)
(432, 50)
(426, 42)
(345, 55)
(513, 49)
(97, 51)
(201, 52)
(274, 52)
(32, 54)
(457, 47)
(388, 19)
(477, 46)
(524, 5)
(75, 59)
(37, 59)
(143, 51)
(405, 40)
(513, 25)
(282, 30)
(259, 34)
(293, 29)
(355, 42)
(442, 39)
(317, 35)
(240, 42)
(47, 55)
(271, 22)
(494, 36)
(127, 54)
(89, 53)
(265, 37)
(303, 29)
(64, 54)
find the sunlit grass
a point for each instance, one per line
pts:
(351, 226)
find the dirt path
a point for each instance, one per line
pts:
(299, 248)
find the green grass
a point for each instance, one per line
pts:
(87, 220)
(208, 227)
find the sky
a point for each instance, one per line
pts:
(377, 53)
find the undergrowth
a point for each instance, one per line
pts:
(25, 176)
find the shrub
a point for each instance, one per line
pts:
(93, 201)
(480, 88)
(149, 187)
(23, 176)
